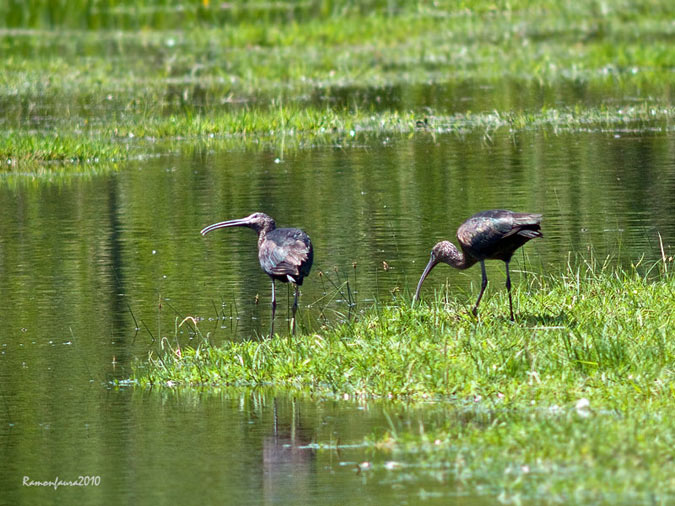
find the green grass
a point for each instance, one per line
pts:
(299, 127)
(605, 330)
(509, 419)
(270, 75)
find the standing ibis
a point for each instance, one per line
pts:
(285, 254)
(488, 235)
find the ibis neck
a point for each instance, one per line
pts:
(462, 261)
(457, 259)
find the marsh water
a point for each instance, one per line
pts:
(95, 270)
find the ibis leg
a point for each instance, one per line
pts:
(508, 288)
(483, 284)
(274, 309)
(295, 308)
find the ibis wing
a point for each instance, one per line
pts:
(527, 225)
(286, 252)
(481, 231)
(491, 231)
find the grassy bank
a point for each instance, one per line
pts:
(574, 402)
(602, 335)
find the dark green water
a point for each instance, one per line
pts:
(86, 259)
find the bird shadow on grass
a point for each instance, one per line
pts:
(545, 320)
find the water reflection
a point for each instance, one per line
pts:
(289, 463)
(235, 446)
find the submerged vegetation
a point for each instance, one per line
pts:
(134, 77)
(579, 452)
(572, 402)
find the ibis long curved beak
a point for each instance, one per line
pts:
(242, 222)
(432, 263)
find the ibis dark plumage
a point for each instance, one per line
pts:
(488, 235)
(285, 254)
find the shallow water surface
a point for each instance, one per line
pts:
(230, 447)
(96, 270)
